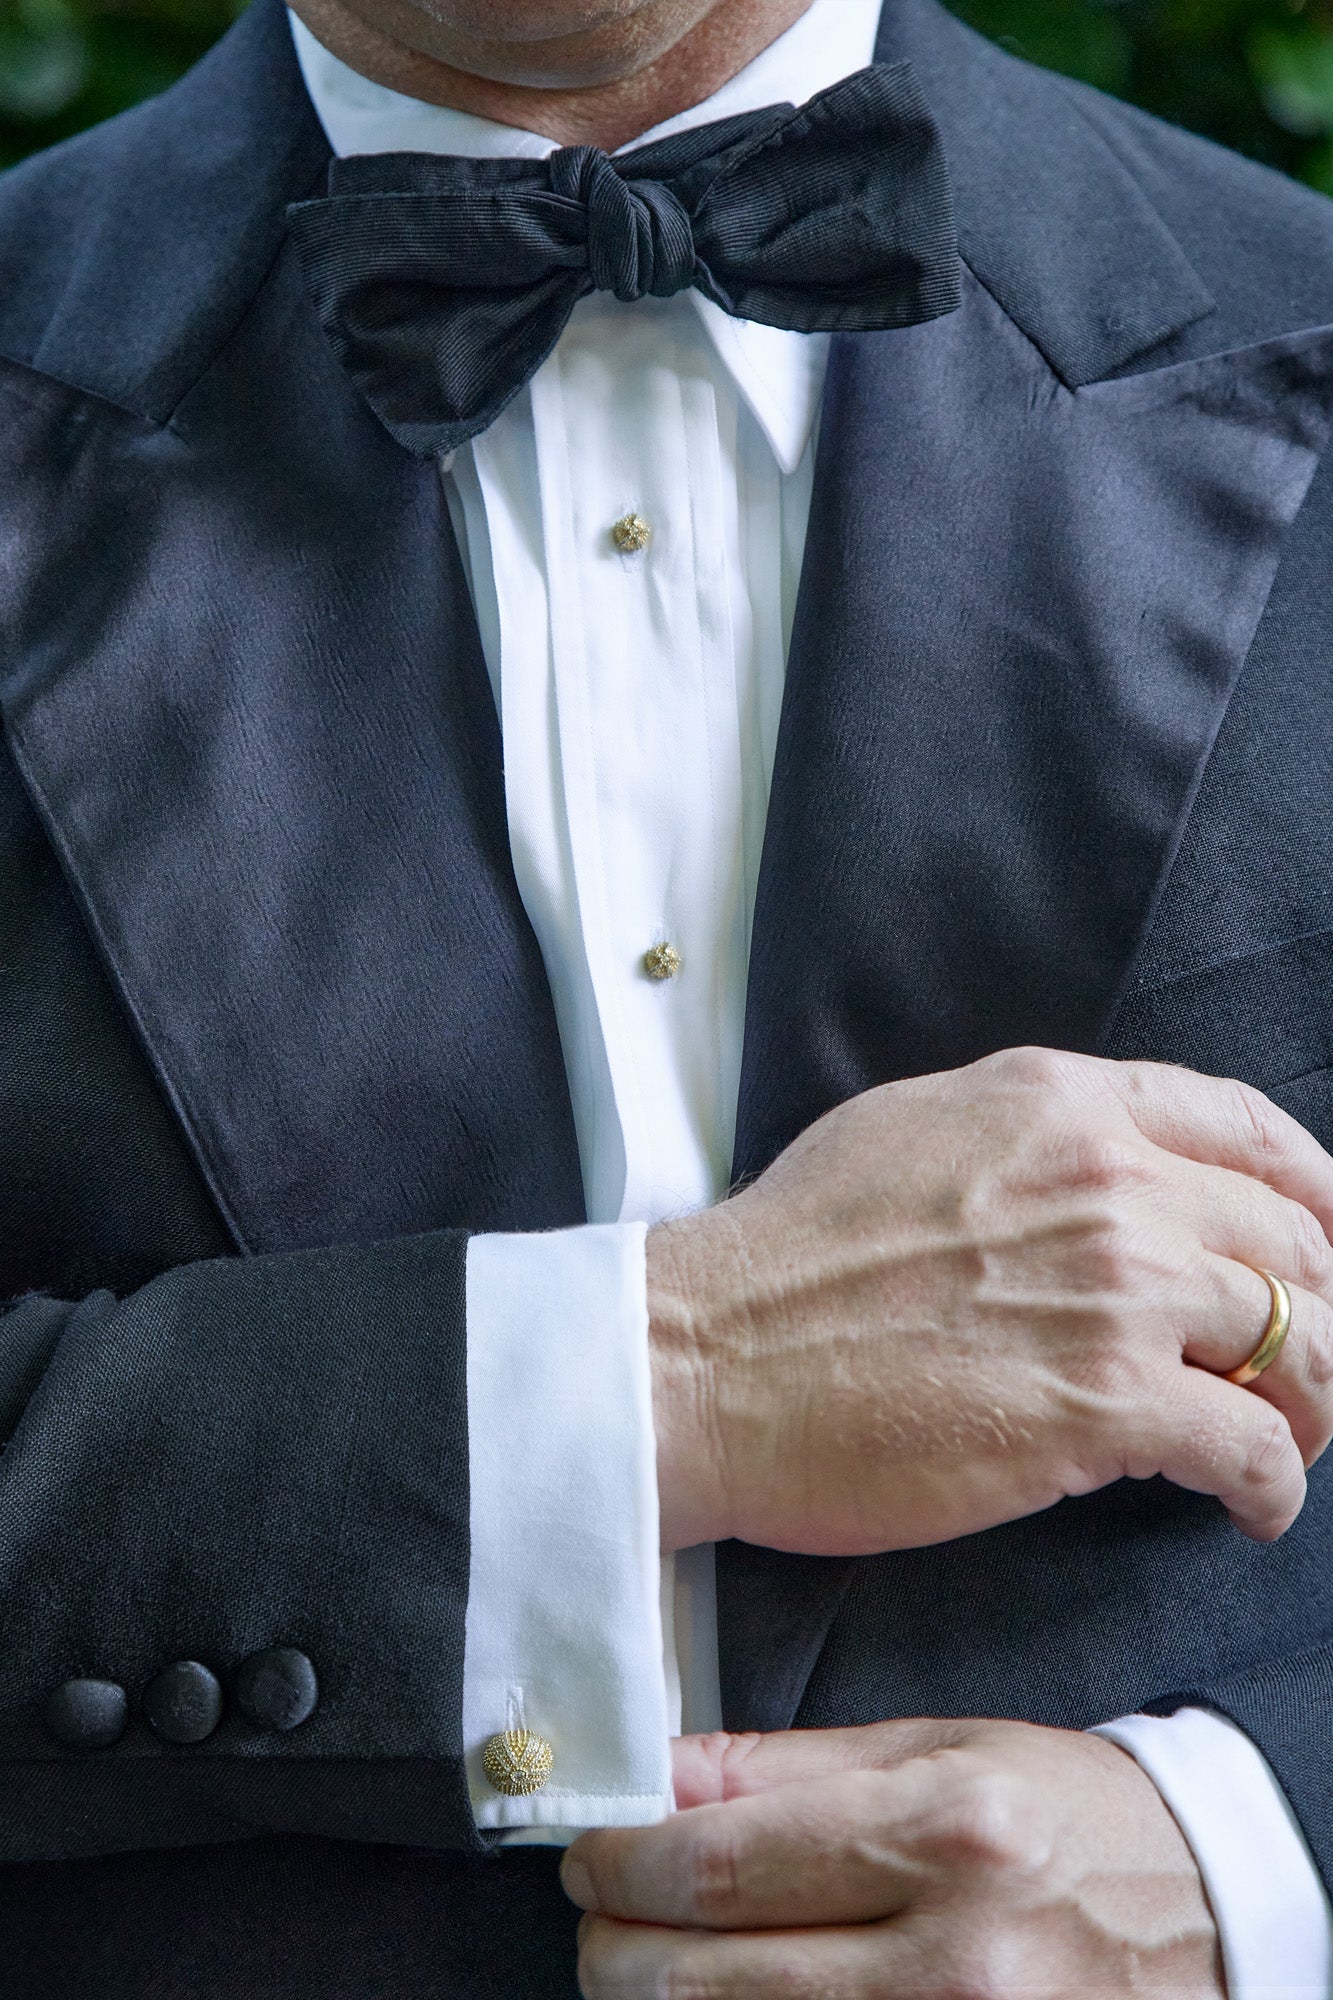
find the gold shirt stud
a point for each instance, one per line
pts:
(517, 1762)
(631, 535)
(663, 961)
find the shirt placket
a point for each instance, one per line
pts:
(636, 537)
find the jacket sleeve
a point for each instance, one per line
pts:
(245, 1454)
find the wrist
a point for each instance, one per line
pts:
(684, 1369)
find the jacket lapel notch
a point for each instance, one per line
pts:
(134, 304)
(1050, 220)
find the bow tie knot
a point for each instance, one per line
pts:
(640, 242)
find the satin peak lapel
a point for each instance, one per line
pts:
(241, 675)
(1023, 613)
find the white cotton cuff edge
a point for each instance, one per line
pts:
(564, 1625)
(1273, 1916)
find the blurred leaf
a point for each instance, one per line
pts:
(1079, 37)
(1252, 74)
(44, 61)
(65, 64)
(1294, 68)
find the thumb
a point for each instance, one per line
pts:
(708, 1770)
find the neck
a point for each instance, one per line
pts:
(596, 86)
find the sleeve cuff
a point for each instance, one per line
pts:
(564, 1621)
(1272, 1914)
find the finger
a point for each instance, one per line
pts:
(1251, 1229)
(709, 1769)
(640, 1962)
(1211, 1437)
(1246, 1228)
(848, 1848)
(1244, 1219)
(1232, 1304)
(1225, 1124)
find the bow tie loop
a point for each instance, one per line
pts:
(443, 284)
(640, 239)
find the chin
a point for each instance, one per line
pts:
(528, 44)
(536, 21)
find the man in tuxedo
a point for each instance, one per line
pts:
(666, 937)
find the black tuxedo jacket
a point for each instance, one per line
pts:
(274, 1032)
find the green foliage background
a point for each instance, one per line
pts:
(1256, 74)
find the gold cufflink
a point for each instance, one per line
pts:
(517, 1762)
(663, 961)
(631, 535)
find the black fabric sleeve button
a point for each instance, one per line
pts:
(86, 1714)
(184, 1702)
(277, 1688)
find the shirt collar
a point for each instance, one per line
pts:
(779, 374)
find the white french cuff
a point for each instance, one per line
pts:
(1272, 1914)
(564, 1623)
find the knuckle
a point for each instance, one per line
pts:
(714, 1875)
(1262, 1124)
(977, 1983)
(685, 1979)
(1311, 1258)
(605, 1974)
(988, 1830)
(976, 1972)
(1143, 1082)
(674, 1982)
(596, 1973)
(1268, 1454)
(1147, 1086)
(1035, 1068)
(1105, 1163)
(1314, 1342)
(733, 1753)
(596, 1855)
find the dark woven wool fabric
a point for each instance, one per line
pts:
(444, 283)
(275, 1032)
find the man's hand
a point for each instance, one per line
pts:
(927, 1860)
(956, 1300)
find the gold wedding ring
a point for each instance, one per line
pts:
(1279, 1322)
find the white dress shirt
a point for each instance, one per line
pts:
(639, 696)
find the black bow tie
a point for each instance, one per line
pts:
(444, 283)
